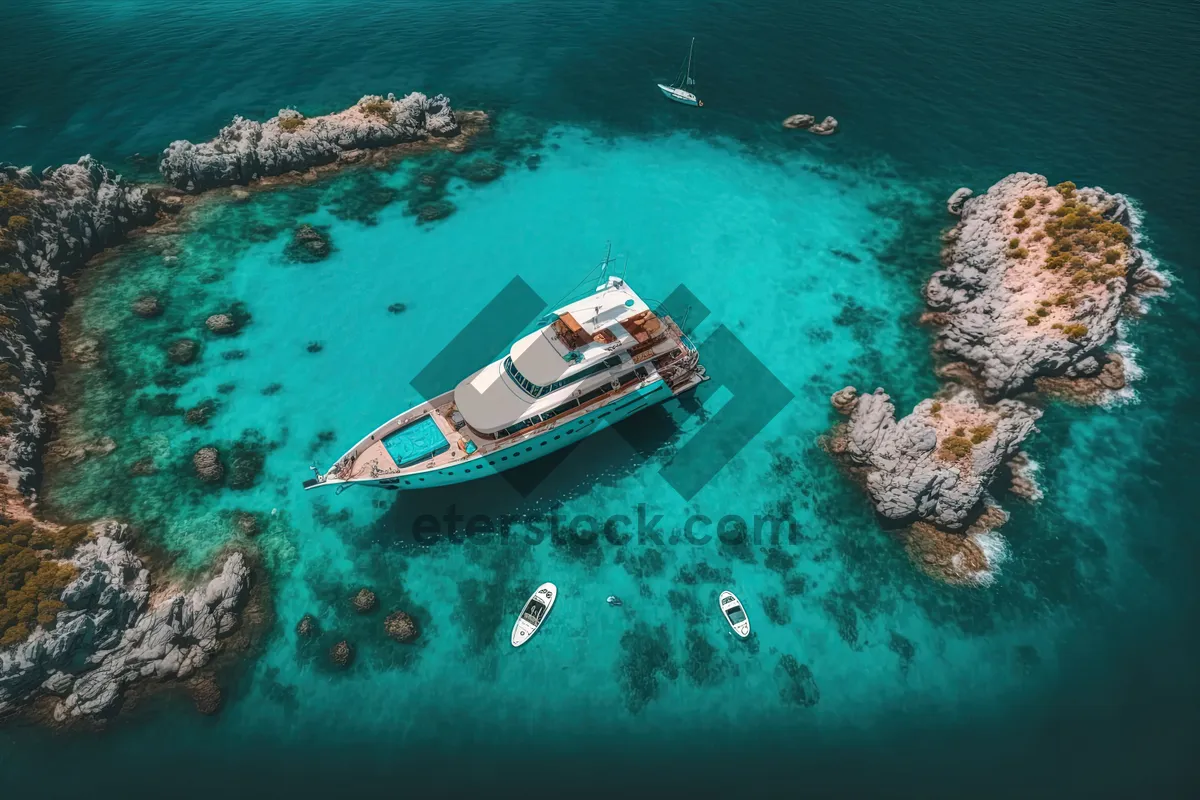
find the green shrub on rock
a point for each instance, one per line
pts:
(980, 433)
(14, 201)
(378, 107)
(956, 447)
(1075, 331)
(14, 283)
(31, 581)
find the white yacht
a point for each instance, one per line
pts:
(594, 362)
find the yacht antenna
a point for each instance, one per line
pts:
(625, 269)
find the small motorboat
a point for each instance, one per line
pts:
(613, 600)
(735, 615)
(534, 613)
(677, 91)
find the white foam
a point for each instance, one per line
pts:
(1028, 470)
(995, 552)
(1129, 352)
(1140, 241)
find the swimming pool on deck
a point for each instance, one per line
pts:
(415, 442)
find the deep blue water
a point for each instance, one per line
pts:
(931, 96)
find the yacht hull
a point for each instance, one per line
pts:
(679, 95)
(522, 451)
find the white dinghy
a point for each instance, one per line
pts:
(734, 613)
(534, 613)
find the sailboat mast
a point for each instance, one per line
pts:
(691, 47)
(604, 266)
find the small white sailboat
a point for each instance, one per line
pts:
(534, 613)
(678, 91)
(735, 615)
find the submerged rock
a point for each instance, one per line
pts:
(341, 654)
(307, 627)
(397, 308)
(798, 687)
(245, 468)
(315, 347)
(364, 601)
(221, 324)
(431, 212)
(207, 462)
(200, 413)
(76, 452)
(245, 150)
(401, 627)
(309, 245)
(968, 558)
(482, 170)
(183, 351)
(143, 467)
(246, 523)
(206, 695)
(147, 307)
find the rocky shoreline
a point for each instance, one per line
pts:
(50, 226)
(1035, 281)
(110, 632)
(115, 631)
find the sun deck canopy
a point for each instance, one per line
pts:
(586, 338)
(489, 401)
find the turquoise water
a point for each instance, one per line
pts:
(1073, 669)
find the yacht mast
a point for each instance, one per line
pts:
(604, 264)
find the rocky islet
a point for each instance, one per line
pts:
(1035, 280)
(246, 150)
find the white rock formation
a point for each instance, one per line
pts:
(246, 150)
